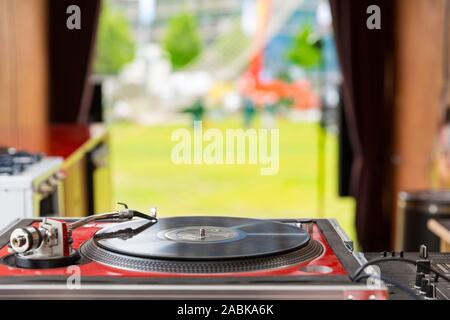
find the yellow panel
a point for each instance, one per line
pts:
(75, 190)
(102, 189)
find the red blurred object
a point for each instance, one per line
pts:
(259, 91)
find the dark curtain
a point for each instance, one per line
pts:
(365, 57)
(345, 153)
(71, 59)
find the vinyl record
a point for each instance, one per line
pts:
(201, 238)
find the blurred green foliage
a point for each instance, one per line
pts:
(304, 51)
(145, 175)
(182, 40)
(116, 45)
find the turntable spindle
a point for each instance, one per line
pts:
(202, 233)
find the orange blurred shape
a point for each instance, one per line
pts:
(300, 92)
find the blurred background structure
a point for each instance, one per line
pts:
(231, 64)
(359, 111)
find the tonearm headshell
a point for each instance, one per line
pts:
(49, 245)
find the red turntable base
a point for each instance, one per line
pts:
(189, 257)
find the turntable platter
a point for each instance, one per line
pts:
(204, 238)
(202, 245)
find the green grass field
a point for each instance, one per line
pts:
(144, 176)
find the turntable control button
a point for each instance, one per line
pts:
(419, 277)
(423, 266)
(424, 284)
(423, 252)
(430, 291)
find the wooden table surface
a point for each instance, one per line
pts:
(441, 228)
(61, 140)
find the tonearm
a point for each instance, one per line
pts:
(52, 238)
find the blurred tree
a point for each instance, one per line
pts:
(116, 45)
(305, 52)
(182, 40)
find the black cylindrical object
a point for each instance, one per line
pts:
(415, 209)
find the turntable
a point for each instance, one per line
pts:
(128, 254)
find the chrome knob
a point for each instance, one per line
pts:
(423, 252)
(25, 239)
(18, 241)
